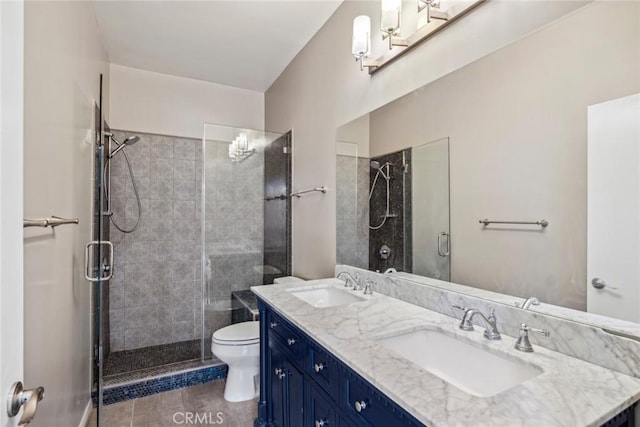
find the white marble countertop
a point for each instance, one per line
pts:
(569, 392)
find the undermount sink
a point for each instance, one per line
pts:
(469, 367)
(325, 295)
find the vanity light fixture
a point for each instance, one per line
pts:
(439, 17)
(361, 42)
(434, 10)
(390, 13)
(239, 149)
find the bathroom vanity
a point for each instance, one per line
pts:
(335, 357)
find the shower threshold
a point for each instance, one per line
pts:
(128, 361)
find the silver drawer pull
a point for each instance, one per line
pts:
(322, 423)
(273, 324)
(360, 405)
(318, 367)
(280, 373)
(291, 341)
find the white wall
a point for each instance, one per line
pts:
(355, 132)
(11, 141)
(324, 88)
(63, 60)
(518, 147)
(151, 102)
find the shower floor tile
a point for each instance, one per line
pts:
(128, 361)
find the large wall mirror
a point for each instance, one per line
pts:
(556, 138)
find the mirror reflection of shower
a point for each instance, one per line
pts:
(120, 147)
(387, 177)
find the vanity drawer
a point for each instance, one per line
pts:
(319, 411)
(288, 337)
(323, 368)
(367, 406)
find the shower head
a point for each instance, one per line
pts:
(129, 141)
(377, 166)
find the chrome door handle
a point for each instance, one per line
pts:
(601, 284)
(291, 341)
(108, 267)
(273, 324)
(448, 251)
(322, 423)
(19, 397)
(318, 367)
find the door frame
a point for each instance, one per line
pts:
(11, 201)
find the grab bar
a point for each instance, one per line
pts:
(543, 222)
(53, 221)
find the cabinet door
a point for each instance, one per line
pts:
(294, 395)
(277, 380)
(319, 408)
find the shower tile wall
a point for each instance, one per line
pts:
(352, 208)
(234, 230)
(155, 294)
(396, 231)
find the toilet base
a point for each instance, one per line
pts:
(242, 384)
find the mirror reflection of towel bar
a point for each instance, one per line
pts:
(543, 222)
(54, 221)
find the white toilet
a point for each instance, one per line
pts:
(238, 346)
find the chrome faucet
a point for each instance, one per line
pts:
(349, 278)
(529, 302)
(490, 329)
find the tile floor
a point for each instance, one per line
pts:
(159, 410)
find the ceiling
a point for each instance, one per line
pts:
(245, 44)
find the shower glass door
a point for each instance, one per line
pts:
(245, 221)
(430, 210)
(99, 263)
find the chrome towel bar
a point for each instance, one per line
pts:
(322, 189)
(298, 194)
(53, 221)
(543, 222)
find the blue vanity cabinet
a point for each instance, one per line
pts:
(303, 385)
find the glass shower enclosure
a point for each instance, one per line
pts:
(246, 222)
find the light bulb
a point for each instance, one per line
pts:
(390, 17)
(361, 36)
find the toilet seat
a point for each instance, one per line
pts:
(244, 333)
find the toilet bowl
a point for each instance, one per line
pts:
(238, 346)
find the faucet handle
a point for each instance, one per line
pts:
(523, 343)
(543, 332)
(357, 286)
(367, 287)
(460, 307)
(492, 315)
